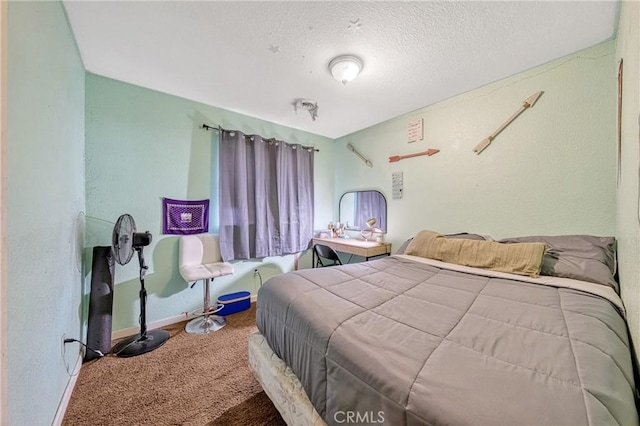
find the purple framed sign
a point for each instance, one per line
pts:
(185, 217)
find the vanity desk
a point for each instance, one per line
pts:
(353, 246)
(362, 209)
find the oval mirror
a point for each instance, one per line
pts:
(357, 207)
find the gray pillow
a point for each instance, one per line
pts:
(404, 246)
(580, 257)
(462, 235)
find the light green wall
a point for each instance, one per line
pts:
(552, 171)
(143, 145)
(628, 48)
(45, 195)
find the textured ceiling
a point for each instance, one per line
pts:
(256, 58)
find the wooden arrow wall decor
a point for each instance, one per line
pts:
(396, 158)
(528, 103)
(360, 156)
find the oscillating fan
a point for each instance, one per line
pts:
(125, 241)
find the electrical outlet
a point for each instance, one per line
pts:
(255, 272)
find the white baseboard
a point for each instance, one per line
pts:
(130, 331)
(66, 397)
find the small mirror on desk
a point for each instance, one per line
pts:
(357, 207)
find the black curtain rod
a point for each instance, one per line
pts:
(207, 127)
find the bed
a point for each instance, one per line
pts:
(409, 340)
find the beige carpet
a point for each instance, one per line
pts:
(190, 380)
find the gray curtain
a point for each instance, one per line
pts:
(370, 204)
(266, 196)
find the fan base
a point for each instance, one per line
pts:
(205, 325)
(136, 345)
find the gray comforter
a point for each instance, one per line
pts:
(397, 341)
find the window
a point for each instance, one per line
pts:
(266, 196)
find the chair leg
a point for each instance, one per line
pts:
(207, 322)
(207, 304)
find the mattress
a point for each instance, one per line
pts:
(281, 385)
(406, 340)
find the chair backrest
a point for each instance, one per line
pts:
(326, 253)
(199, 249)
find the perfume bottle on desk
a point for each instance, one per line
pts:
(345, 234)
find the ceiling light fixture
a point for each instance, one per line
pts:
(345, 68)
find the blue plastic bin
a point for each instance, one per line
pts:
(234, 302)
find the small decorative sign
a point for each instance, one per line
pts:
(414, 130)
(396, 182)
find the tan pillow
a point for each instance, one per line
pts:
(517, 258)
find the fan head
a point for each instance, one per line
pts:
(122, 239)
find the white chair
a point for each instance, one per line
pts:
(199, 259)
